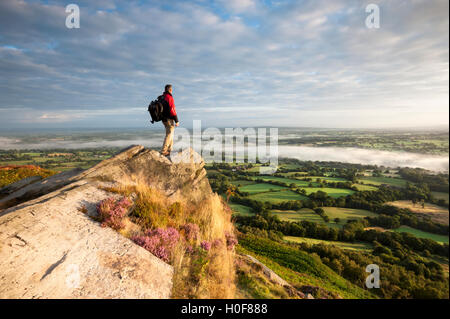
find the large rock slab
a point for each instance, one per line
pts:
(50, 247)
(181, 176)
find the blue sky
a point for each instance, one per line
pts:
(310, 63)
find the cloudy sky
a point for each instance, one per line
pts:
(310, 63)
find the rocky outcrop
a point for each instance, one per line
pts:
(51, 248)
(11, 188)
(179, 176)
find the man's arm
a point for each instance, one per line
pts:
(173, 111)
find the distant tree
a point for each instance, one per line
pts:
(231, 191)
(337, 220)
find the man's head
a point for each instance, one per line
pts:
(168, 88)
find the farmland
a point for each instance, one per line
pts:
(377, 181)
(425, 142)
(57, 160)
(333, 215)
(422, 234)
(436, 213)
(344, 215)
(361, 246)
(338, 209)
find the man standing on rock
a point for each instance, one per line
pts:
(170, 120)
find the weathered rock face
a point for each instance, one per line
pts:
(49, 248)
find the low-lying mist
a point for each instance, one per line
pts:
(365, 156)
(154, 139)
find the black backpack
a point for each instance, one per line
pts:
(157, 109)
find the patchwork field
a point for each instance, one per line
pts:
(440, 195)
(286, 180)
(277, 197)
(436, 213)
(328, 179)
(260, 188)
(332, 192)
(241, 183)
(352, 246)
(344, 214)
(377, 181)
(240, 209)
(422, 234)
(362, 187)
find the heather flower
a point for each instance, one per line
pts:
(205, 245)
(217, 243)
(160, 242)
(111, 212)
(189, 249)
(231, 240)
(191, 231)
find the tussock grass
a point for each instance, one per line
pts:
(198, 272)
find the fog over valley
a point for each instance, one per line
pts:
(153, 139)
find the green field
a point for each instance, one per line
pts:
(422, 234)
(293, 173)
(277, 197)
(298, 267)
(332, 192)
(440, 195)
(241, 209)
(241, 182)
(344, 214)
(285, 180)
(259, 188)
(351, 246)
(362, 187)
(328, 179)
(397, 182)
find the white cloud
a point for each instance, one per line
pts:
(304, 61)
(239, 6)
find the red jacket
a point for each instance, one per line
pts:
(172, 111)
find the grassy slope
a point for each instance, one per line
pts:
(397, 182)
(285, 180)
(440, 195)
(259, 188)
(277, 197)
(11, 175)
(352, 246)
(422, 234)
(298, 267)
(241, 209)
(332, 192)
(362, 187)
(332, 212)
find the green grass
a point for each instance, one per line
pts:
(440, 195)
(241, 210)
(254, 168)
(344, 214)
(298, 267)
(304, 174)
(277, 197)
(397, 182)
(242, 182)
(259, 188)
(284, 180)
(328, 179)
(290, 166)
(362, 187)
(422, 234)
(332, 192)
(347, 213)
(351, 246)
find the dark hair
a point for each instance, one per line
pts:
(167, 87)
